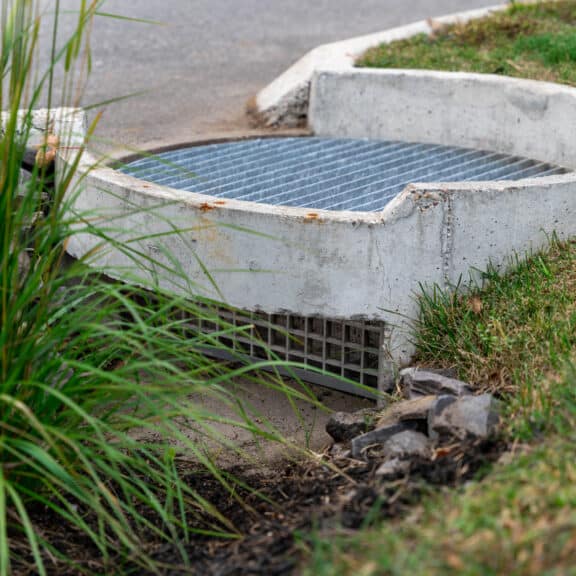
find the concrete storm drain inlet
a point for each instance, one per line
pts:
(334, 174)
(320, 245)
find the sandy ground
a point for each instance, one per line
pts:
(299, 424)
(302, 425)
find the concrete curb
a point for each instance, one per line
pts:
(284, 102)
(483, 111)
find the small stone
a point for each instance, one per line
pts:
(393, 468)
(343, 426)
(464, 418)
(62, 376)
(417, 382)
(415, 409)
(407, 444)
(448, 372)
(24, 183)
(24, 265)
(375, 438)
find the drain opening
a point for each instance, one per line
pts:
(325, 173)
(340, 348)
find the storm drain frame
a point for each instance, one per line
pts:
(320, 173)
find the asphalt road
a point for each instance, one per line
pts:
(207, 57)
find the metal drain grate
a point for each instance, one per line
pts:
(348, 349)
(325, 173)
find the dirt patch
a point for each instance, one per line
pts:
(328, 496)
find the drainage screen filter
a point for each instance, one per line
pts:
(325, 173)
(351, 350)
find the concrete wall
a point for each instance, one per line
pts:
(508, 115)
(352, 264)
(68, 123)
(274, 259)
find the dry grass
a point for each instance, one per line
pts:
(513, 327)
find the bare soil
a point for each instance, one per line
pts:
(325, 497)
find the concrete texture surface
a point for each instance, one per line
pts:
(488, 112)
(210, 56)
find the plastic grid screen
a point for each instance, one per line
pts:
(341, 348)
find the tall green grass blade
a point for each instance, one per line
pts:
(4, 542)
(129, 18)
(28, 529)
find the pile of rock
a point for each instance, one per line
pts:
(438, 412)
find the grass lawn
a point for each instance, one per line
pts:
(536, 41)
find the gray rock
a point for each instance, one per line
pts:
(393, 468)
(62, 376)
(375, 438)
(448, 372)
(407, 444)
(415, 409)
(417, 382)
(464, 418)
(343, 426)
(24, 265)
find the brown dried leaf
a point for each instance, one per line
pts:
(475, 304)
(47, 152)
(454, 561)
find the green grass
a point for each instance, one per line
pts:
(514, 336)
(536, 41)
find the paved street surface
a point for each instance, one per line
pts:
(209, 56)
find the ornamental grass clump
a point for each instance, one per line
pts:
(95, 376)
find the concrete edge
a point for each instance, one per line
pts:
(103, 176)
(69, 124)
(211, 138)
(284, 102)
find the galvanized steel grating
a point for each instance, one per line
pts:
(341, 349)
(325, 173)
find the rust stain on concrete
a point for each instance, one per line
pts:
(206, 207)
